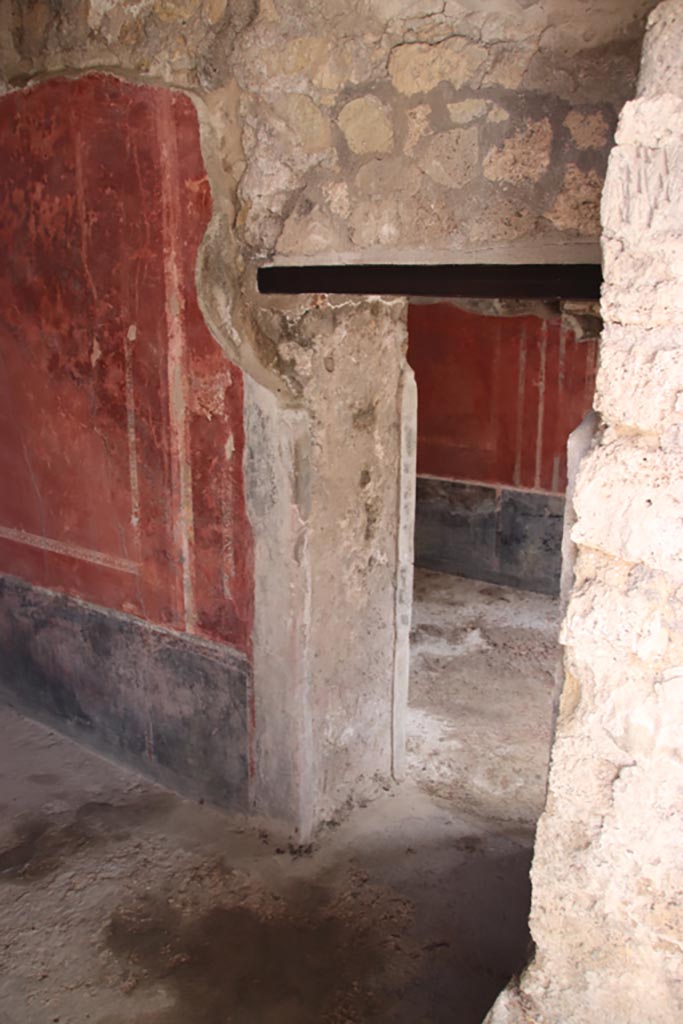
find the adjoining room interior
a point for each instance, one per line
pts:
(501, 385)
(298, 308)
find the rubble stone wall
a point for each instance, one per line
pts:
(607, 908)
(381, 129)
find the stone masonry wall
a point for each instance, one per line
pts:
(607, 909)
(379, 129)
(415, 130)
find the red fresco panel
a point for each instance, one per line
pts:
(533, 367)
(117, 486)
(552, 443)
(458, 420)
(497, 396)
(579, 384)
(508, 356)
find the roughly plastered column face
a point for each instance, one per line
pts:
(358, 626)
(342, 685)
(607, 910)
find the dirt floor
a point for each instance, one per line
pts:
(124, 904)
(483, 663)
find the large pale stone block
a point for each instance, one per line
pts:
(419, 67)
(366, 126)
(642, 288)
(662, 68)
(650, 121)
(642, 197)
(642, 215)
(629, 504)
(311, 127)
(625, 611)
(640, 377)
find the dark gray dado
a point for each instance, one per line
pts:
(170, 705)
(486, 533)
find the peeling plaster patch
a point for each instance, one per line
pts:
(95, 353)
(525, 156)
(589, 131)
(451, 158)
(577, 207)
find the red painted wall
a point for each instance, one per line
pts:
(121, 421)
(497, 396)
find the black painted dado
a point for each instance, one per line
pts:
(170, 705)
(499, 535)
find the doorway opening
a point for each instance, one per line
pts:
(501, 385)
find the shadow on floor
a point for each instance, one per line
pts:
(123, 904)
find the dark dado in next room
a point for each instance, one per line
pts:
(486, 533)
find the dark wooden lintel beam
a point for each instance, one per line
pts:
(465, 281)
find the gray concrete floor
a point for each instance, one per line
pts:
(124, 904)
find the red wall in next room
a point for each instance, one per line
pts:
(121, 422)
(497, 396)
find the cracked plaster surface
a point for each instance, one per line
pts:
(319, 90)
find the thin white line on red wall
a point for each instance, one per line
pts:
(58, 547)
(521, 387)
(178, 370)
(540, 417)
